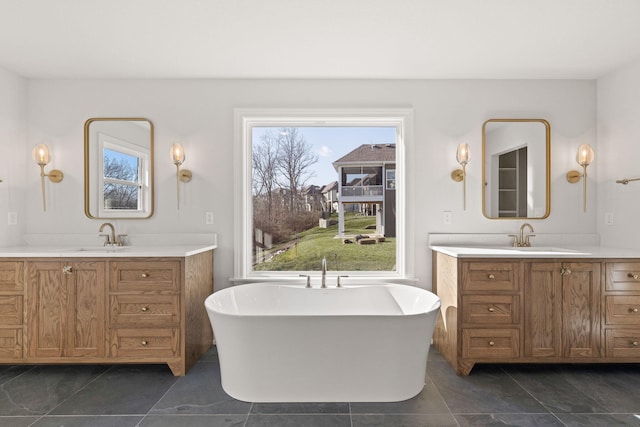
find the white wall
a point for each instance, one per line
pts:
(13, 137)
(200, 114)
(618, 156)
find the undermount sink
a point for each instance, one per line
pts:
(546, 250)
(97, 249)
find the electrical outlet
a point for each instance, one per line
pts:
(208, 218)
(12, 218)
(608, 218)
(447, 217)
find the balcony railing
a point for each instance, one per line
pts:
(362, 191)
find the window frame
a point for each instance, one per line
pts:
(247, 118)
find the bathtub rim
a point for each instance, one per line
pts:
(434, 307)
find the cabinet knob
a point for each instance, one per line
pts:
(565, 271)
(491, 276)
(635, 343)
(144, 275)
(633, 310)
(67, 269)
(491, 343)
(633, 276)
(144, 309)
(491, 309)
(144, 343)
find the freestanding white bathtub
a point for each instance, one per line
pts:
(287, 343)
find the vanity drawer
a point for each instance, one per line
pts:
(490, 343)
(156, 310)
(11, 310)
(11, 276)
(145, 342)
(490, 276)
(144, 276)
(622, 310)
(623, 276)
(11, 343)
(491, 309)
(622, 342)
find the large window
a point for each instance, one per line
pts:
(312, 185)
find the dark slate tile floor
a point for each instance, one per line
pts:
(150, 396)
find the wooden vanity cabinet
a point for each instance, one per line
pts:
(65, 310)
(490, 308)
(145, 312)
(562, 309)
(11, 310)
(531, 311)
(622, 311)
(107, 310)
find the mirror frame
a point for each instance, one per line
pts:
(547, 174)
(87, 166)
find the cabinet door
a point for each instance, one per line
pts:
(581, 309)
(66, 306)
(86, 287)
(47, 297)
(543, 309)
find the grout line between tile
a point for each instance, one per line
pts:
(79, 390)
(443, 399)
(531, 394)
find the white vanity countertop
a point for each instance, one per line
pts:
(102, 251)
(542, 251)
(90, 246)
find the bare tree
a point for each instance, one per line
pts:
(265, 172)
(295, 157)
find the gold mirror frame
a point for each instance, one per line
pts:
(92, 166)
(487, 180)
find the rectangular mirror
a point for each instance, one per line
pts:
(516, 168)
(118, 168)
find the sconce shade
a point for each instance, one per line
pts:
(177, 154)
(462, 154)
(585, 155)
(41, 154)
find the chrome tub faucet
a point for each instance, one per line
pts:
(324, 272)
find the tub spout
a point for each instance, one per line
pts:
(324, 272)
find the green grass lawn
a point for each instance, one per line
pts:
(306, 252)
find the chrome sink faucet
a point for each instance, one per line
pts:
(522, 240)
(324, 272)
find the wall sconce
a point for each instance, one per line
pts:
(462, 156)
(42, 157)
(584, 158)
(184, 175)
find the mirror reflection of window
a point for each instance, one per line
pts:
(122, 180)
(123, 175)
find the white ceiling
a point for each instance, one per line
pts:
(395, 39)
